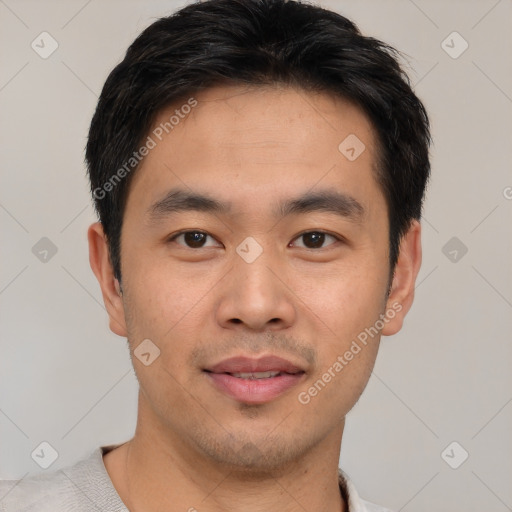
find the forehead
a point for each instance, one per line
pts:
(239, 139)
(244, 119)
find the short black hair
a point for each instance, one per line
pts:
(258, 42)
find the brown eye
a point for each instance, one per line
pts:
(192, 239)
(314, 239)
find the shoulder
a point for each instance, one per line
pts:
(69, 488)
(41, 492)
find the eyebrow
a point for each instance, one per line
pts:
(179, 200)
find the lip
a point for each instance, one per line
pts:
(254, 391)
(247, 364)
(257, 391)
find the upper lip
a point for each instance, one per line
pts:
(243, 364)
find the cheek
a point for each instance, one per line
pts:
(168, 308)
(159, 297)
(344, 300)
(346, 309)
(347, 344)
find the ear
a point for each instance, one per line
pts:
(401, 295)
(100, 263)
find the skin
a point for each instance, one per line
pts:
(194, 446)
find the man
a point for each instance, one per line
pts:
(258, 167)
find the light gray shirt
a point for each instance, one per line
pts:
(86, 487)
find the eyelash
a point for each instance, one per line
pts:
(336, 237)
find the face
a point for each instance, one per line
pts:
(250, 233)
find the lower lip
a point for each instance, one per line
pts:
(254, 391)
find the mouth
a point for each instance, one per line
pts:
(254, 381)
(256, 375)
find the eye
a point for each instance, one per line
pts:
(192, 239)
(315, 239)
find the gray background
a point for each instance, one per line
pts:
(66, 379)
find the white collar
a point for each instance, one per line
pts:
(354, 502)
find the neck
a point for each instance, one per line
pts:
(156, 471)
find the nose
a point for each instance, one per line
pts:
(255, 296)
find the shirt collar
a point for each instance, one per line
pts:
(349, 492)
